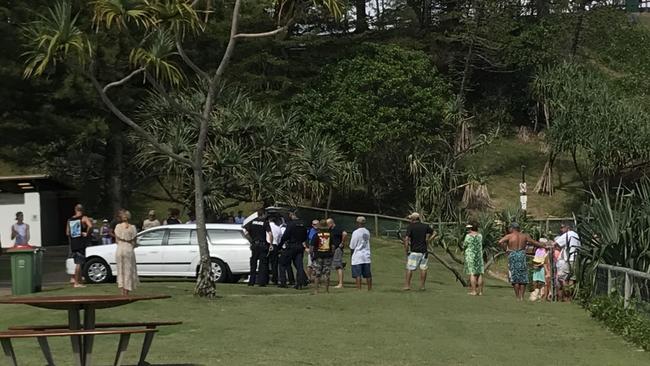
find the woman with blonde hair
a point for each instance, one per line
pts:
(127, 273)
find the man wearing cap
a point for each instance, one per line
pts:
(360, 244)
(568, 243)
(150, 221)
(416, 243)
(20, 230)
(515, 243)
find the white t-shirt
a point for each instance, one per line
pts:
(277, 231)
(360, 243)
(572, 238)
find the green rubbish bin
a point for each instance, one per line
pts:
(26, 270)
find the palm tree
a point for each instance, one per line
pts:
(322, 169)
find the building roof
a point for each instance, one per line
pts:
(31, 183)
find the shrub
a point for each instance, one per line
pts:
(628, 323)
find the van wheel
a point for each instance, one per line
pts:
(97, 271)
(218, 270)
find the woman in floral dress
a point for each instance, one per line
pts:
(127, 273)
(473, 244)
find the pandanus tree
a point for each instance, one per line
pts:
(154, 32)
(589, 118)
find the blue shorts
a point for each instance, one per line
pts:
(361, 270)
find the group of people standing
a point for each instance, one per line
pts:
(278, 244)
(551, 257)
(79, 229)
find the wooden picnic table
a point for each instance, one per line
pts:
(82, 349)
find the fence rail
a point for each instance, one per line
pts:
(389, 225)
(632, 285)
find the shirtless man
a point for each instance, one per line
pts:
(515, 243)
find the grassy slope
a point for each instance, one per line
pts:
(270, 326)
(501, 164)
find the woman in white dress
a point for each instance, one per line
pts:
(127, 273)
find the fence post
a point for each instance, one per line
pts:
(376, 225)
(610, 282)
(628, 290)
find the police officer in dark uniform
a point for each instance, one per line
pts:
(256, 231)
(292, 249)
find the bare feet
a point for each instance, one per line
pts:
(472, 293)
(406, 289)
(78, 285)
(422, 289)
(338, 286)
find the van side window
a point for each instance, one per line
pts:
(179, 237)
(151, 238)
(220, 236)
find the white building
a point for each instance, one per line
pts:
(45, 203)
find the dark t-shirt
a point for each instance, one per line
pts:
(418, 231)
(336, 237)
(76, 230)
(173, 221)
(321, 244)
(257, 229)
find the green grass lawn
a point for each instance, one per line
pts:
(501, 161)
(271, 326)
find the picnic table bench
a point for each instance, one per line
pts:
(43, 335)
(81, 335)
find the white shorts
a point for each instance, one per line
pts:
(416, 260)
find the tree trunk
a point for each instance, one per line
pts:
(459, 277)
(578, 170)
(379, 13)
(115, 165)
(205, 284)
(542, 8)
(545, 182)
(578, 31)
(361, 24)
(329, 201)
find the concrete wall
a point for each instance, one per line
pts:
(30, 204)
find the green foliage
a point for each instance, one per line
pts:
(54, 36)
(612, 131)
(121, 13)
(381, 105)
(253, 154)
(385, 93)
(615, 229)
(628, 323)
(155, 56)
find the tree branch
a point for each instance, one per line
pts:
(261, 35)
(129, 122)
(124, 80)
(161, 90)
(229, 50)
(188, 61)
(164, 188)
(157, 198)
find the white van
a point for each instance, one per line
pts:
(173, 251)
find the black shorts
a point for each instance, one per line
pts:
(79, 256)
